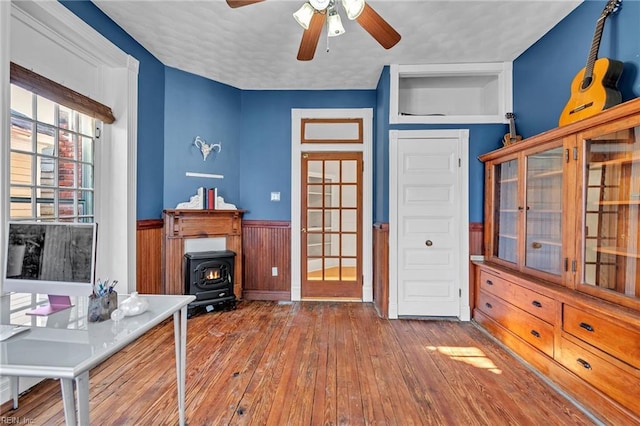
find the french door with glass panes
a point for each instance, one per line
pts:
(331, 237)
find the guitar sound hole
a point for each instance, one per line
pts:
(586, 82)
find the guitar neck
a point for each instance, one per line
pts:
(512, 128)
(595, 45)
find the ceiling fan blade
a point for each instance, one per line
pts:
(310, 37)
(379, 29)
(240, 3)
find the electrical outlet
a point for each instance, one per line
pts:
(274, 271)
(275, 196)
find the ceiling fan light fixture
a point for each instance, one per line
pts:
(353, 8)
(334, 25)
(304, 14)
(320, 5)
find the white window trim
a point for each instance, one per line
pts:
(367, 190)
(116, 86)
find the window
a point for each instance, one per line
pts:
(51, 160)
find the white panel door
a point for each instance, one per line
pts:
(428, 227)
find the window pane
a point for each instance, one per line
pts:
(314, 169)
(349, 196)
(332, 269)
(21, 131)
(314, 219)
(85, 176)
(85, 125)
(349, 222)
(314, 195)
(46, 141)
(21, 102)
(349, 171)
(349, 270)
(86, 150)
(21, 210)
(21, 168)
(66, 118)
(46, 111)
(85, 203)
(66, 144)
(314, 269)
(46, 171)
(45, 202)
(66, 174)
(349, 245)
(332, 195)
(332, 170)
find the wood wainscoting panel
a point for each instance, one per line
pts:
(476, 248)
(149, 256)
(381, 269)
(476, 238)
(266, 244)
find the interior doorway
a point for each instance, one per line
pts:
(331, 157)
(331, 219)
(428, 224)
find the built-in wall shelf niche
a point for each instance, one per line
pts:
(450, 93)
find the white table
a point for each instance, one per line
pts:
(65, 346)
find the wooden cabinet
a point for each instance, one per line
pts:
(560, 283)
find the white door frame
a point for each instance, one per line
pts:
(366, 147)
(462, 135)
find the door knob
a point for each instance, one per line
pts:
(428, 243)
(304, 230)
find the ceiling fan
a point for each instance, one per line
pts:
(313, 15)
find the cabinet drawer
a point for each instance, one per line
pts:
(611, 337)
(535, 303)
(529, 328)
(621, 385)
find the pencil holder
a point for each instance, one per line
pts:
(100, 307)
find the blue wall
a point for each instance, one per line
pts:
(196, 106)
(543, 73)
(151, 100)
(265, 147)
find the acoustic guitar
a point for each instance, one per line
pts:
(594, 88)
(511, 137)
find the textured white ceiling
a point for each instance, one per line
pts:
(255, 47)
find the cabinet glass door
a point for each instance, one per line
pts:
(506, 211)
(611, 213)
(543, 244)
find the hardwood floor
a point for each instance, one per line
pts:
(313, 363)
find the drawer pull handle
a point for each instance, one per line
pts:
(586, 326)
(536, 304)
(535, 334)
(488, 305)
(489, 282)
(584, 363)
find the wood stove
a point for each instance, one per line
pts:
(208, 275)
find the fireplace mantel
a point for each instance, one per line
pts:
(180, 225)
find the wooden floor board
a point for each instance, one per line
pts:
(313, 363)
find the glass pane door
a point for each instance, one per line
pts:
(332, 225)
(506, 212)
(543, 246)
(611, 250)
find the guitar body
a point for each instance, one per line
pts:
(600, 94)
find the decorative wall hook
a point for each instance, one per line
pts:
(206, 148)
